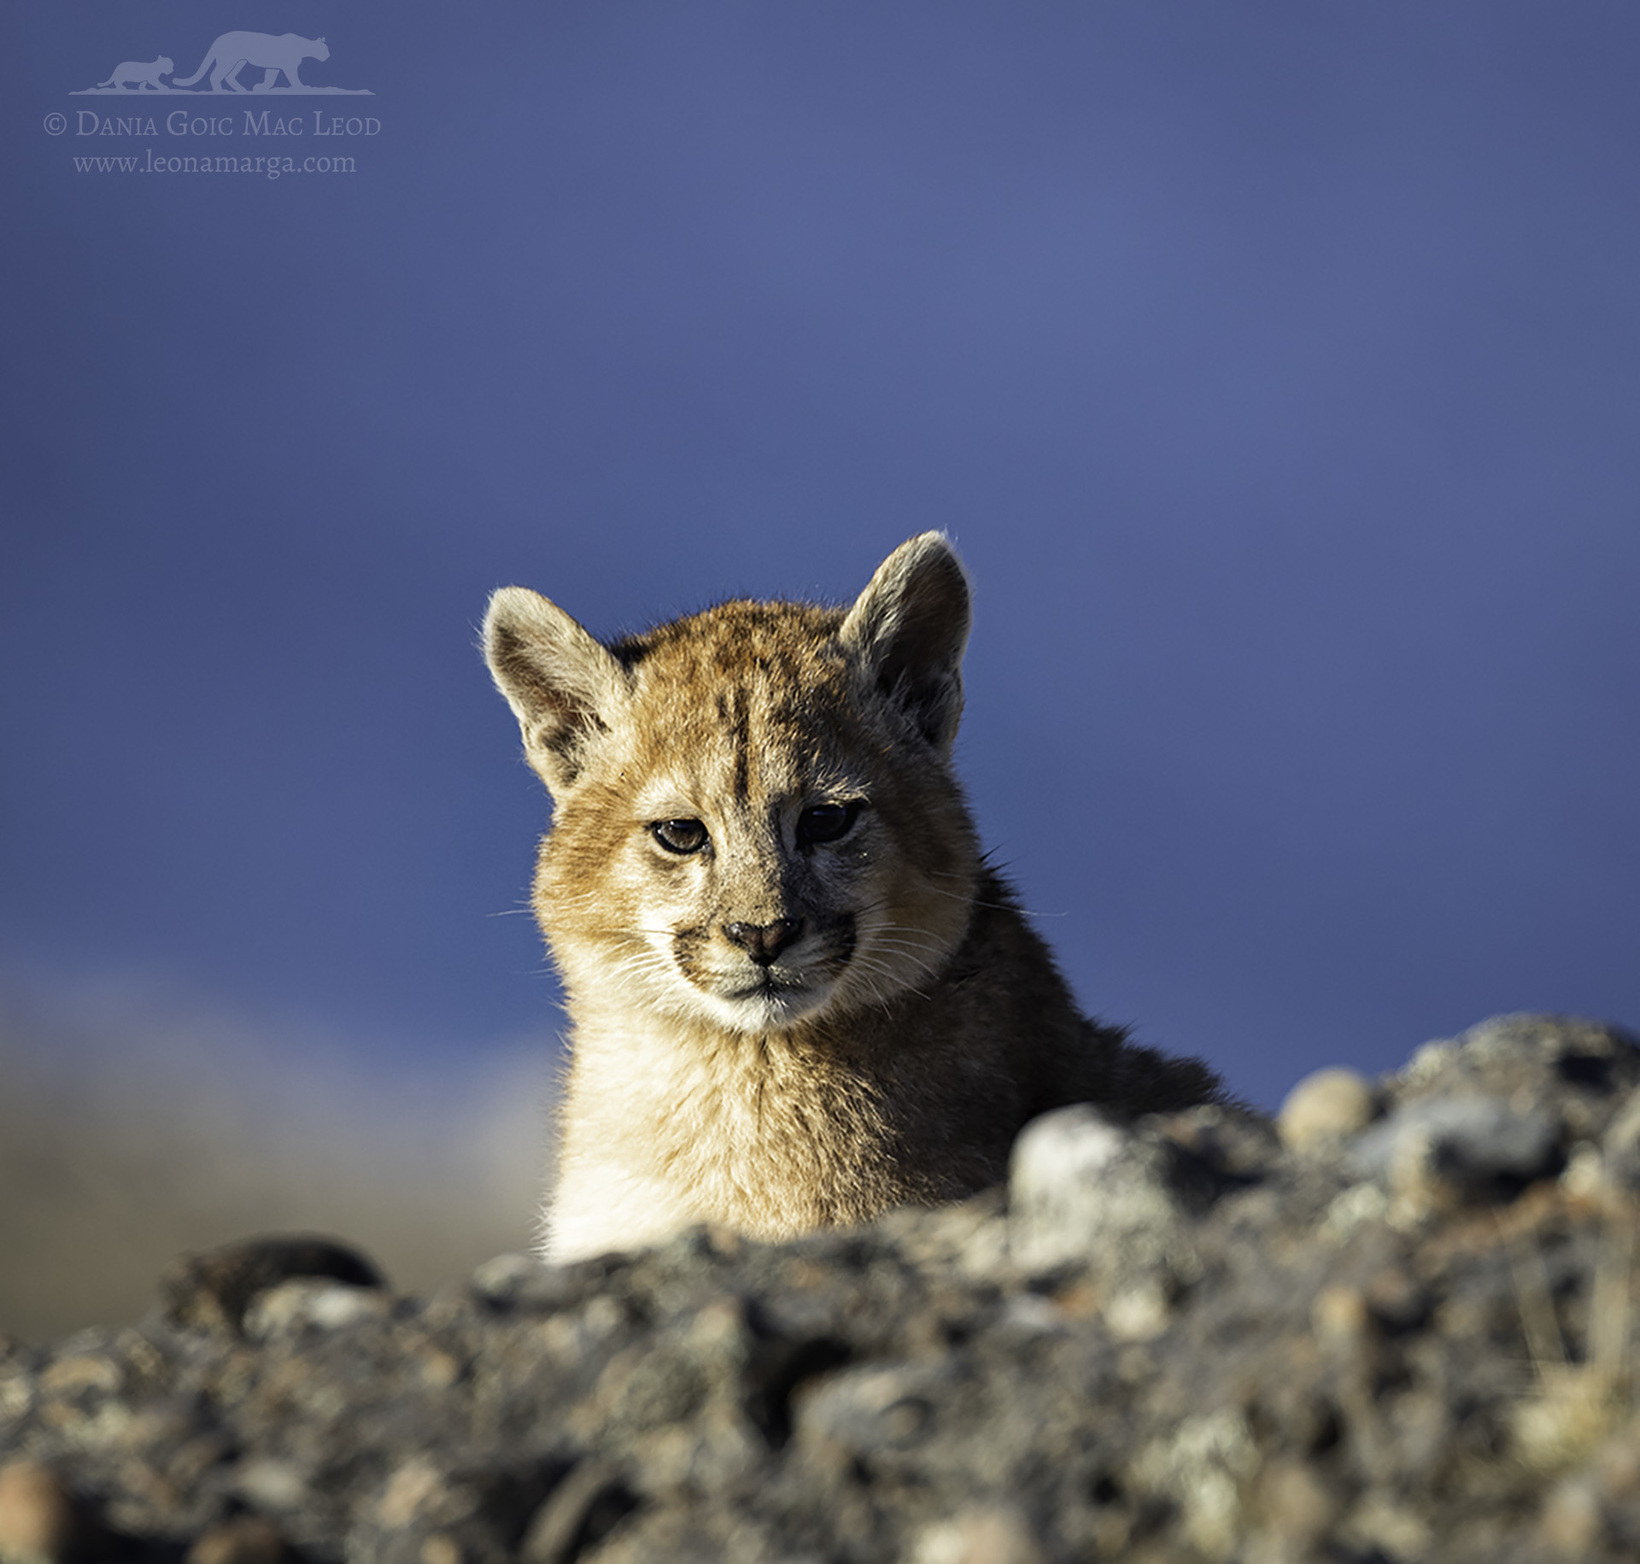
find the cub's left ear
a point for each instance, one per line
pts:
(908, 629)
(565, 689)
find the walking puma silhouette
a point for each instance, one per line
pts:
(233, 51)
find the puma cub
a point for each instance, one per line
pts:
(799, 996)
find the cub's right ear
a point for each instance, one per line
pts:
(909, 628)
(563, 687)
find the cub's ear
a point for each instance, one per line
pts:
(563, 687)
(908, 629)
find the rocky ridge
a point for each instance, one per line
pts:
(1394, 1325)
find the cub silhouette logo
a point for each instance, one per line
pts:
(277, 57)
(134, 76)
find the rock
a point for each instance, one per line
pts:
(995, 1534)
(212, 1291)
(1324, 1108)
(1620, 1147)
(581, 1511)
(1298, 1507)
(247, 1539)
(1584, 1067)
(309, 1303)
(1203, 1466)
(870, 1412)
(1463, 1148)
(39, 1523)
(1083, 1190)
(1572, 1522)
(1184, 1339)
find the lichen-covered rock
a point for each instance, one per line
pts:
(1084, 1189)
(1402, 1333)
(1476, 1148)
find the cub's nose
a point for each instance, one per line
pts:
(764, 941)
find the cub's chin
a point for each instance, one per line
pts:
(772, 1005)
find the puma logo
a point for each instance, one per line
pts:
(141, 74)
(232, 52)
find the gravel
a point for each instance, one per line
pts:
(1393, 1325)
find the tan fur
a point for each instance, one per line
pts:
(777, 1027)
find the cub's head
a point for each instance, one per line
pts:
(755, 816)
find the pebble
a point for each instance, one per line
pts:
(38, 1521)
(1324, 1108)
(1340, 1318)
(247, 1539)
(995, 1534)
(1082, 1189)
(1620, 1149)
(310, 1302)
(1572, 1519)
(1298, 1505)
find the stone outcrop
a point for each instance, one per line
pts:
(1392, 1325)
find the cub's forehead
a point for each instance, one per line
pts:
(733, 639)
(738, 661)
(748, 699)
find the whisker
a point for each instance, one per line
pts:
(907, 941)
(995, 906)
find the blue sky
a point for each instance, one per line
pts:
(1275, 367)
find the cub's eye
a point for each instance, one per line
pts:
(679, 836)
(826, 823)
